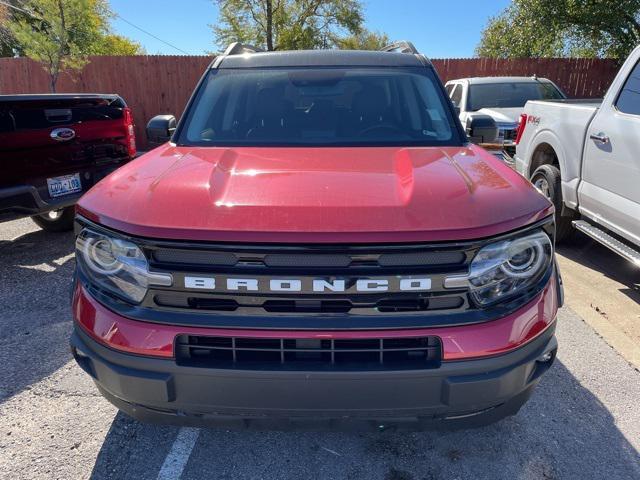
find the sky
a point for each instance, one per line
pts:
(439, 29)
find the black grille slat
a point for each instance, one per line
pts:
(195, 257)
(174, 257)
(307, 306)
(453, 257)
(217, 304)
(403, 305)
(334, 354)
(307, 260)
(310, 350)
(258, 305)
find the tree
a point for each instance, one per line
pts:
(562, 28)
(6, 39)
(8, 45)
(60, 34)
(112, 44)
(287, 24)
(365, 40)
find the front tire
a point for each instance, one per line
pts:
(55, 220)
(546, 179)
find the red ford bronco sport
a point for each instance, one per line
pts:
(316, 243)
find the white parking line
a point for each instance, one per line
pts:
(179, 454)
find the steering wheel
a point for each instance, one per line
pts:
(382, 127)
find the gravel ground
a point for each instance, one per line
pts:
(582, 422)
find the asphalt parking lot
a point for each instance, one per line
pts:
(582, 422)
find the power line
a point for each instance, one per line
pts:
(115, 14)
(150, 34)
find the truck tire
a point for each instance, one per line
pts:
(56, 220)
(546, 179)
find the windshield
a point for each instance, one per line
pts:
(320, 107)
(509, 95)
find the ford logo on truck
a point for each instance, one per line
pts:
(63, 134)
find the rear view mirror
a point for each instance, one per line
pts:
(482, 129)
(160, 129)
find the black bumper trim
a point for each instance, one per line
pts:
(32, 198)
(463, 393)
(25, 200)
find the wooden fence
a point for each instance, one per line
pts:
(154, 85)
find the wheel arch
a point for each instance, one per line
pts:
(546, 149)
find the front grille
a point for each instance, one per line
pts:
(404, 353)
(255, 304)
(510, 134)
(201, 275)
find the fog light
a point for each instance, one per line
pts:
(545, 357)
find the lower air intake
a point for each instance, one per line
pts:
(309, 354)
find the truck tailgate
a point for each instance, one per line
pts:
(93, 133)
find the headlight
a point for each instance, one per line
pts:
(506, 268)
(116, 265)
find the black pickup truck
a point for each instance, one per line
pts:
(55, 147)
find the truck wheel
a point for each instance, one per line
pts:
(546, 178)
(55, 220)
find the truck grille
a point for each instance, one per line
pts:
(510, 134)
(314, 354)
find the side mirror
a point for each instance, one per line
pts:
(456, 108)
(160, 129)
(482, 129)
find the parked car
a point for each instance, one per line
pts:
(55, 147)
(317, 243)
(583, 155)
(500, 98)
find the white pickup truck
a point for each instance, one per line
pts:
(501, 98)
(585, 156)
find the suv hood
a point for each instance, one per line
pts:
(315, 195)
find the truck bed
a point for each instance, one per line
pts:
(584, 102)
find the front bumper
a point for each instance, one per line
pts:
(458, 394)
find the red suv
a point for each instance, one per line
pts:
(316, 244)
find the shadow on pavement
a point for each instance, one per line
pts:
(35, 279)
(563, 432)
(595, 256)
(133, 450)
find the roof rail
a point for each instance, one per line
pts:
(403, 46)
(237, 48)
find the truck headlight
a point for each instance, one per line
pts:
(116, 265)
(506, 268)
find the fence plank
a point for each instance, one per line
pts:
(156, 84)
